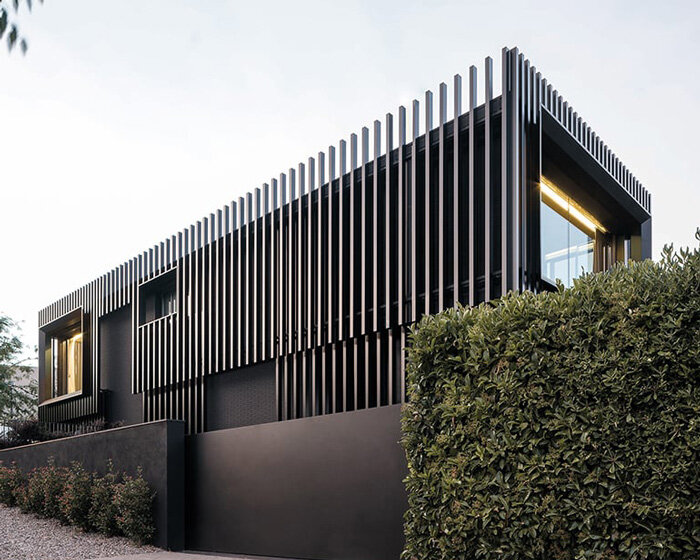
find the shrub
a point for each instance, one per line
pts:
(560, 425)
(134, 501)
(102, 515)
(11, 479)
(76, 498)
(53, 479)
(30, 498)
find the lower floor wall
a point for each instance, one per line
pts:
(326, 487)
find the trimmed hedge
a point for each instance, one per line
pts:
(85, 500)
(560, 425)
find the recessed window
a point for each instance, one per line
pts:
(67, 364)
(158, 298)
(64, 356)
(567, 236)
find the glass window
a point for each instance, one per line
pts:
(158, 298)
(567, 236)
(66, 364)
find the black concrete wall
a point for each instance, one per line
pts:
(158, 447)
(241, 397)
(115, 368)
(327, 487)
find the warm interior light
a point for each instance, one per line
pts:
(562, 253)
(553, 194)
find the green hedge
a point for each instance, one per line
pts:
(83, 499)
(560, 425)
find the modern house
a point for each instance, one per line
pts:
(292, 305)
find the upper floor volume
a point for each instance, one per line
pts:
(295, 300)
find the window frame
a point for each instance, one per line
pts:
(69, 322)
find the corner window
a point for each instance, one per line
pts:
(158, 298)
(567, 236)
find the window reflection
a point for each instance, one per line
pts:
(567, 236)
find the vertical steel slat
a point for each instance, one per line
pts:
(256, 278)
(180, 311)
(505, 178)
(488, 95)
(388, 221)
(472, 179)
(239, 284)
(342, 160)
(266, 276)
(319, 249)
(302, 279)
(225, 280)
(516, 163)
(282, 274)
(290, 267)
(456, 198)
(275, 225)
(442, 119)
(231, 271)
(329, 272)
(351, 238)
(414, 210)
(212, 297)
(249, 313)
(428, 188)
(310, 300)
(401, 272)
(363, 232)
(375, 225)
(199, 300)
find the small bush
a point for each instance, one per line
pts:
(134, 501)
(102, 515)
(54, 481)
(11, 479)
(76, 498)
(30, 497)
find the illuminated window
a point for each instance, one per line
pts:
(66, 364)
(567, 236)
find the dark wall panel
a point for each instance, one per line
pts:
(241, 397)
(121, 405)
(326, 487)
(157, 447)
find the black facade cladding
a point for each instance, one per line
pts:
(120, 404)
(320, 273)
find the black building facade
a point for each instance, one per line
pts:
(295, 300)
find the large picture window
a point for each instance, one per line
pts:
(567, 236)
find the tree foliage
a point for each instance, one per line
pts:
(15, 401)
(560, 425)
(8, 24)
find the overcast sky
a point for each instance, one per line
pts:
(127, 121)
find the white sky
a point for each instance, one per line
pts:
(127, 121)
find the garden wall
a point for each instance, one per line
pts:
(157, 447)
